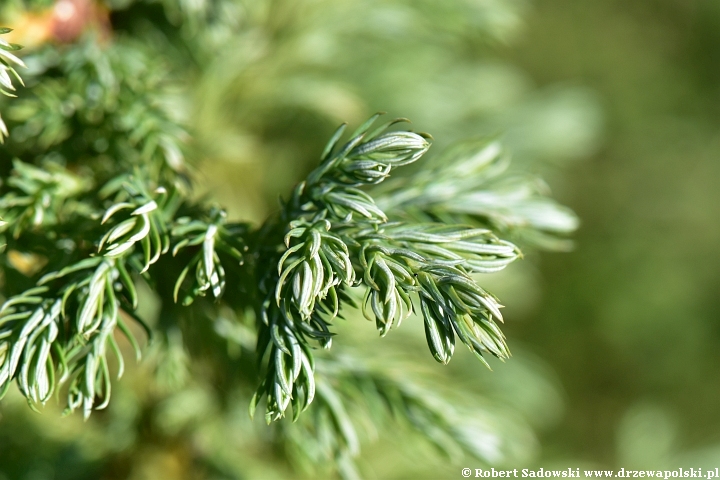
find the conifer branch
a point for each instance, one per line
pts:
(69, 319)
(336, 238)
(329, 239)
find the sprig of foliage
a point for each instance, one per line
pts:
(41, 197)
(336, 237)
(8, 61)
(214, 235)
(469, 184)
(69, 319)
(69, 327)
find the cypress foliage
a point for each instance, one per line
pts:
(98, 209)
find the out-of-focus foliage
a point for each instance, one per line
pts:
(261, 85)
(301, 66)
(467, 185)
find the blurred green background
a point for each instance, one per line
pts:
(629, 321)
(615, 103)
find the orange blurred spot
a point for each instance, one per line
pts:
(64, 22)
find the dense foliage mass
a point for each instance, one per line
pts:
(102, 224)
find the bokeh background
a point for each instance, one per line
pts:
(615, 103)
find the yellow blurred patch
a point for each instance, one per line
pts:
(26, 263)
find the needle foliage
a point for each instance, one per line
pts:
(100, 215)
